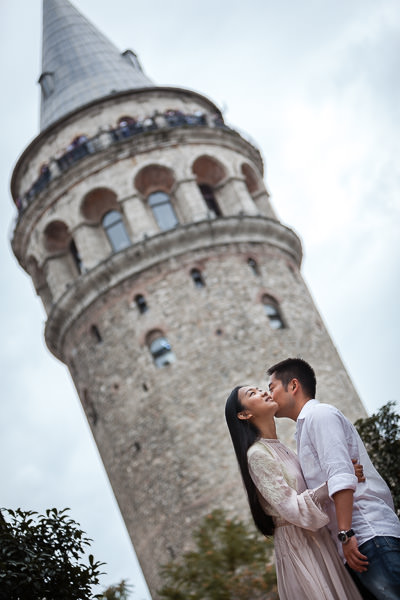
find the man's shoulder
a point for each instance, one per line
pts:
(322, 411)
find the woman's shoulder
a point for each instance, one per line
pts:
(260, 447)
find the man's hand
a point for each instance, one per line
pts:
(358, 470)
(357, 561)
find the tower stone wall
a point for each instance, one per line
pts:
(206, 286)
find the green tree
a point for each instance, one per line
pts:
(381, 435)
(41, 557)
(116, 592)
(229, 562)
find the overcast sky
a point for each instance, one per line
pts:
(316, 86)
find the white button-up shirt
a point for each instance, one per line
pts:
(326, 443)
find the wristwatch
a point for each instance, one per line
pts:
(344, 536)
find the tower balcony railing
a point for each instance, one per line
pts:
(83, 146)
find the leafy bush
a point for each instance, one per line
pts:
(381, 435)
(41, 557)
(229, 562)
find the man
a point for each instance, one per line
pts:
(362, 518)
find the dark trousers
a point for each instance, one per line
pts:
(365, 594)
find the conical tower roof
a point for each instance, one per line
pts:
(79, 64)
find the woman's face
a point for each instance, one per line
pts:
(256, 402)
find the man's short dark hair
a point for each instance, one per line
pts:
(295, 368)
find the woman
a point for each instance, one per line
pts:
(308, 566)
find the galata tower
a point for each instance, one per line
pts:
(167, 278)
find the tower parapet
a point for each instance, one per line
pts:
(206, 170)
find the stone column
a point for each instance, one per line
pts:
(138, 218)
(233, 198)
(191, 205)
(60, 272)
(92, 243)
(261, 200)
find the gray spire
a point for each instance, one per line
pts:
(79, 64)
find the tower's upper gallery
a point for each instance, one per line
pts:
(79, 64)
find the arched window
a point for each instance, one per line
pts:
(132, 59)
(272, 311)
(46, 81)
(97, 203)
(209, 198)
(209, 173)
(115, 230)
(160, 349)
(94, 330)
(57, 237)
(58, 241)
(253, 266)
(163, 211)
(141, 303)
(208, 170)
(197, 278)
(154, 178)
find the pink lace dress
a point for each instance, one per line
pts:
(308, 566)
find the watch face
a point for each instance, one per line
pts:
(342, 536)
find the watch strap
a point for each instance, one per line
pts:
(344, 536)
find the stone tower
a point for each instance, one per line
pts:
(167, 278)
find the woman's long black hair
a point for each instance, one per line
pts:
(243, 435)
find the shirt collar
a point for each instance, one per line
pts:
(306, 408)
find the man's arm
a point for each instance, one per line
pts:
(326, 430)
(344, 509)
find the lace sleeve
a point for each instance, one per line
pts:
(268, 475)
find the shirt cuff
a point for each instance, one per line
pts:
(342, 481)
(320, 494)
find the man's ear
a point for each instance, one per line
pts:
(244, 415)
(294, 385)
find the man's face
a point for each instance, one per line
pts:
(282, 397)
